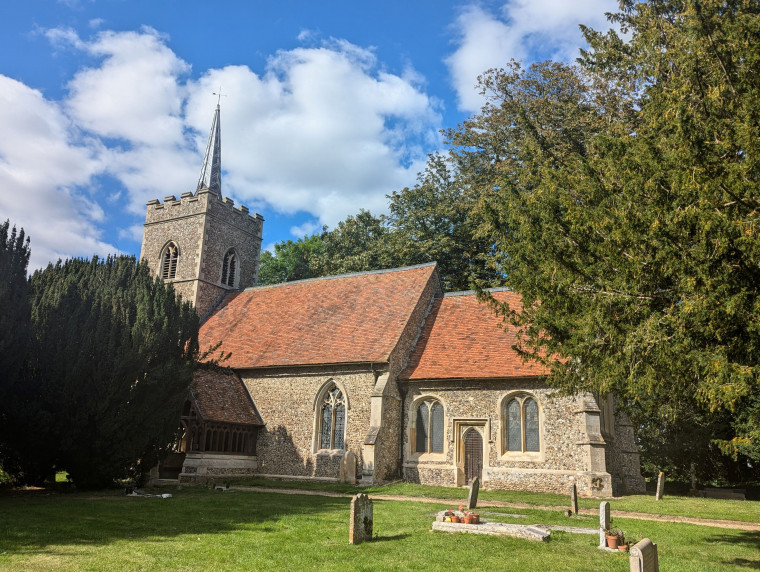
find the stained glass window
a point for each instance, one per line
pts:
(422, 428)
(429, 427)
(514, 426)
(531, 425)
(332, 434)
(326, 426)
(522, 425)
(436, 428)
(340, 426)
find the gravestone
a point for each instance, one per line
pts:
(643, 557)
(660, 485)
(472, 498)
(604, 522)
(360, 525)
(574, 499)
(347, 472)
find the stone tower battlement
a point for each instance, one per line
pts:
(201, 242)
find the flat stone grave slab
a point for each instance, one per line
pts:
(526, 532)
(573, 529)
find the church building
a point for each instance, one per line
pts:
(366, 377)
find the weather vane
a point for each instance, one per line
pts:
(219, 95)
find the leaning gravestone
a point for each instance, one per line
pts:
(644, 557)
(574, 499)
(360, 526)
(347, 472)
(660, 485)
(604, 523)
(472, 498)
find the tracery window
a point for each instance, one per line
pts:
(522, 425)
(332, 430)
(429, 427)
(169, 260)
(229, 268)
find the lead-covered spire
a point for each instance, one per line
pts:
(211, 172)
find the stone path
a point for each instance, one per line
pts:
(732, 524)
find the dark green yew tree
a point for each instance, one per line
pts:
(15, 336)
(623, 200)
(114, 360)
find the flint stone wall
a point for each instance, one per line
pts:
(204, 227)
(285, 400)
(565, 456)
(623, 458)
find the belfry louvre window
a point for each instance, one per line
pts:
(229, 268)
(169, 261)
(522, 425)
(332, 420)
(429, 427)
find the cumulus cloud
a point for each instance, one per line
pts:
(321, 131)
(522, 30)
(46, 168)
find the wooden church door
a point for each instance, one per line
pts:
(473, 455)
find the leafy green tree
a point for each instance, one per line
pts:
(357, 244)
(114, 360)
(622, 201)
(15, 334)
(291, 260)
(437, 220)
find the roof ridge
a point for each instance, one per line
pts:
(471, 292)
(336, 276)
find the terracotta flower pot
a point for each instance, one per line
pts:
(623, 547)
(612, 541)
(472, 519)
(456, 519)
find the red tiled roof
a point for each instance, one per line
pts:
(221, 397)
(341, 319)
(463, 338)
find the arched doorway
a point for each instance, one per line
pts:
(473, 455)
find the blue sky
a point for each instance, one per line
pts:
(329, 105)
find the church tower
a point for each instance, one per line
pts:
(201, 242)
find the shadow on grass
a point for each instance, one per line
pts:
(31, 522)
(748, 539)
(394, 537)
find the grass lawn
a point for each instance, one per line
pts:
(744, 511)
(200, 529)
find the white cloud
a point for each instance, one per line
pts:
(305, 229)
(524, 30)
(134, 94)
(322, 131)
(45, 170)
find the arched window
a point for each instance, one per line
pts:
(522, 433)
(332, 428)
(229, 268)
(169, 261)
(429, 427)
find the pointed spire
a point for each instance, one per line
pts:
(211, 172)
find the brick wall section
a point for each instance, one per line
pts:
(204, 227)
(285, 398)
